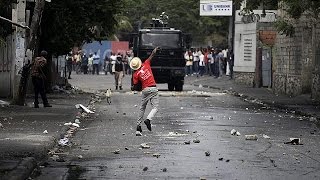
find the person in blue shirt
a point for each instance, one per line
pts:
(96, 62)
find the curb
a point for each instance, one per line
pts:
(257, 101)
(23, 169)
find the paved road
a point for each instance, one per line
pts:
(195, 114)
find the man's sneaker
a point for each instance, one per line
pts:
(139, 128)
(138, 133)
(148, 124)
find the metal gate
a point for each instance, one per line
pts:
(6, 58)
(266, 67)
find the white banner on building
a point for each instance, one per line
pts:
(215, 8)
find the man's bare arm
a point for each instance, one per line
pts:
(154, 51)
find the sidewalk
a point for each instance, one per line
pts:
(302, 105)
(23, 142)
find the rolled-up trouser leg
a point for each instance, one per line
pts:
(154, 103)
(148, 94)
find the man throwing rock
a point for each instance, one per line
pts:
(143, 74)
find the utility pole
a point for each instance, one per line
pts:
(19, 17)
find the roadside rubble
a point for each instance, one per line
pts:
(4, 103)
(294, 141)
(235, 132)
(65, 139)
(253, 137)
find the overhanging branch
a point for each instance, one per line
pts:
(14, 23)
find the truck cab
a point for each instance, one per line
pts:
(168, 65)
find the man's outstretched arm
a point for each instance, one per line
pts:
(154, 51)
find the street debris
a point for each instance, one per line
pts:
(200, 86)
(145, 169)
(313, 119)
(75, 125)
(196, 141)
(80, 156)
(273, 162)
(116, 151)
(203, 178)
(144, 146)
(4, 103)
(207, 153)
(126, 148)
(77, 121)
(220, 159)
(235, 132)
(85, 109)
(265, 136)
(45, 132)
(181, 108)
(187, 142)
(120, 166)
(63, 142)
(164, 170)
(1, 126)
(251, 137)
(294, 141)
(157, 155)
(228, 160)
(68, 124)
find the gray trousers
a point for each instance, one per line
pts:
(118, 78)
(148, 94)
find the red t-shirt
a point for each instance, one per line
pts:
(144, 74)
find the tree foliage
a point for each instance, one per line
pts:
(183, 15)
(5, 11)
(68, 23)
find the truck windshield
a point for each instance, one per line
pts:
(151, 40)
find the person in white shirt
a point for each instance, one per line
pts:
(201, 63)
(113, 59)
(188, 59)
(196, 61)
(90, 63)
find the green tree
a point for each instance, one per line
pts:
(6, 12)
(68, 23)
(183, 14)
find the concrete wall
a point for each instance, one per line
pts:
(251, 32)
(294, 66)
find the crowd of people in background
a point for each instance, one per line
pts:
(92, 64)
(115, 64)
(199, 61)
(209, 61)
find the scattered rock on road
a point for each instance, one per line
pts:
(144, 146)
(196, 141)
(251, 137)
(220, 159)
(207, 153)
(116, 151)
(265, 136)
(157, 155)
(187, 142)
(145, 168)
